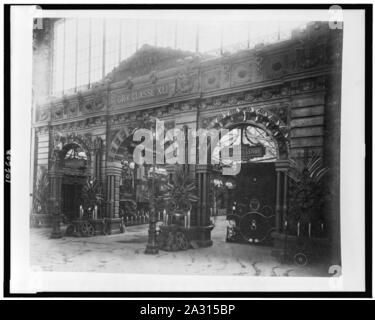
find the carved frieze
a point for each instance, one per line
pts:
(65, 103)
(95, 102)
(60, 140)
(276, 66)
(43, 114)
(211, 79)
(186, 82)
(58, 113)
(310, 56)
(82, 124)
(126, 97)
(70, 107)
(166, 76)
(260, 95)
(243, 72)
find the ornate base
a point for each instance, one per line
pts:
(201, 235)
(56, 231)
(114, 225)
(174, 237)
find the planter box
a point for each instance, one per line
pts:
(99, 225)
(95, 227)
(192, 237)
(300, 250)
(114, 225)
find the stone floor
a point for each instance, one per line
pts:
(125, 253)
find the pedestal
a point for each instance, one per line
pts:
(56, 232)
(55, 203)
(201, 233)
(114, 225)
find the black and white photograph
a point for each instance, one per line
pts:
(187, 149)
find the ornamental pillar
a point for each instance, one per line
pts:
(97, 159)
(203, 206)
(203, 212)
(113, 175)
(281, 207)
(55, 180)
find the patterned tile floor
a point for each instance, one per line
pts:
(125, 253)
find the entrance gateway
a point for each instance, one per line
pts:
(275, 95)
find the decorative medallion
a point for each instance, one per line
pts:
(58, 113)
(185, 83)
(43, 115)
(211, 79)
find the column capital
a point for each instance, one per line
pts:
(282, 165)
(203, 168)
(113, 168)
(54, 173)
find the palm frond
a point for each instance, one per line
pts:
(41, 192)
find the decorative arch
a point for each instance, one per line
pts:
(67, 147)
(61, 145)
(258, 117)
(123, 134)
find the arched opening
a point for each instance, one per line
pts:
(74, 165)
(134, 185)
(249, 196)
(75, 158)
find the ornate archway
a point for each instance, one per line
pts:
(78, 170)
(278, 131)
(123, 134)
(260, 117)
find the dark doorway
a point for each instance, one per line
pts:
(252, 197)
(71, 200)
(256, 181)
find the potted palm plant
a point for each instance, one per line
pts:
(304, 227)
(180, 195)
(89, 223)
(39, 216)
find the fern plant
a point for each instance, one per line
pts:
(308, 192)
(181, 193)
(91, 194)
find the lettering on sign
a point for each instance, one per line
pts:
(139, 94)
(253, 151)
